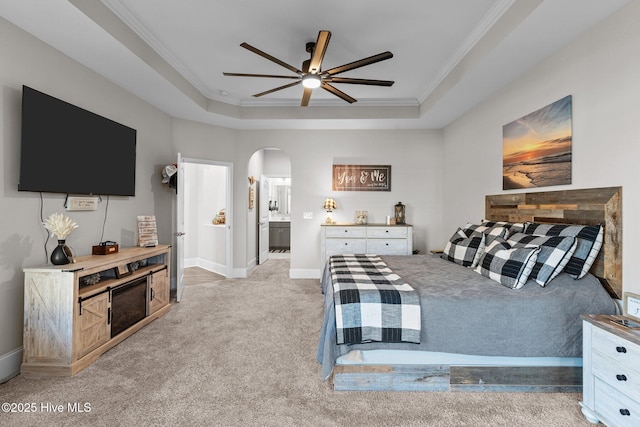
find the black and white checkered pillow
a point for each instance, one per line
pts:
(490, 232)
(508, 266)
(512, 227)
(463, 249)
(555, 252)
(589, 238)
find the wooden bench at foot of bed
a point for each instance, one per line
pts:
(457, 378)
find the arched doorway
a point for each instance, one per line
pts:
(270, 219)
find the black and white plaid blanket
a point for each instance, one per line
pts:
(371, 302)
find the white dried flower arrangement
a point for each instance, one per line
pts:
(59, 225)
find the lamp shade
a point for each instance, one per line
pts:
(330, 204)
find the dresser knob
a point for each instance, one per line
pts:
(621, 377)
(625, 412)
(386, 231)
(621, 349)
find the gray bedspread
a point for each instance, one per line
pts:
(467, 313)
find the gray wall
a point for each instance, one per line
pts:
(27, 61)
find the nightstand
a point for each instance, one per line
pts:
(610, 372)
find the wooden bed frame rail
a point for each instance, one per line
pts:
(541, 379)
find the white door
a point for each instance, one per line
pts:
(263, 220)
(180, 231)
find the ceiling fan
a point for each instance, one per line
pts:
(312, 76)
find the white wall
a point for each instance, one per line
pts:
(212, 199)
(416, 160)
(27, 61)
(415, 157)
(205, 195)
(600, 70)
(277, 163)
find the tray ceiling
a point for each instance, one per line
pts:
(449, 55)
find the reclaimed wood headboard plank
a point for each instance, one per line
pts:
(589, 206)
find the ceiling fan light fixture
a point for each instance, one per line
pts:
(311, 81)
(312, 75)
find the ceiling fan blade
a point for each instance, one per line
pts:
(261, 75)
(277, 89)
(359, 81)
(270, 58)
(357, 64)
(338, 93)
(306, 96)
(319, 51)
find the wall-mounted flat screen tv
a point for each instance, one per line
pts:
(66, 149)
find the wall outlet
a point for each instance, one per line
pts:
(307, 215)
(82, 203)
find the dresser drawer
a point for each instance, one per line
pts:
(622, 377)
(614, 347)
(615, 408)
(387, 246)
(387, 232)
(345, 246)
(347, 232)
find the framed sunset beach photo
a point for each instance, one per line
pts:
(536, 149)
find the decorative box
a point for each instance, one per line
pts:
(104, 249)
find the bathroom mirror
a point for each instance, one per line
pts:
(280, 198)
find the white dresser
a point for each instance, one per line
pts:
(377, 239)
(610, 372)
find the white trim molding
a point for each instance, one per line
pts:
(10, 364)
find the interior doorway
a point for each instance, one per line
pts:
(269, 225)
(279, 205)
(206, 202)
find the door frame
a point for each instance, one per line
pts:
(263, 219)
(228, 219)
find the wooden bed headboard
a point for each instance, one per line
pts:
(590, 206)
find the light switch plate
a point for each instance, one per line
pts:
(307, 215)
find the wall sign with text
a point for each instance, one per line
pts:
(361, 178)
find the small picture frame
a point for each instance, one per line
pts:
(631, 303)
(252, 197)
(122, 270)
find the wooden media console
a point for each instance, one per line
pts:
(69, 309)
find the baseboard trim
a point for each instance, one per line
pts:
(240, 273)
(10, 364)
(207, 265)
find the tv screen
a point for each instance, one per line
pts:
(66, 149)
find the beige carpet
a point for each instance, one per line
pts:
(241, 352)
